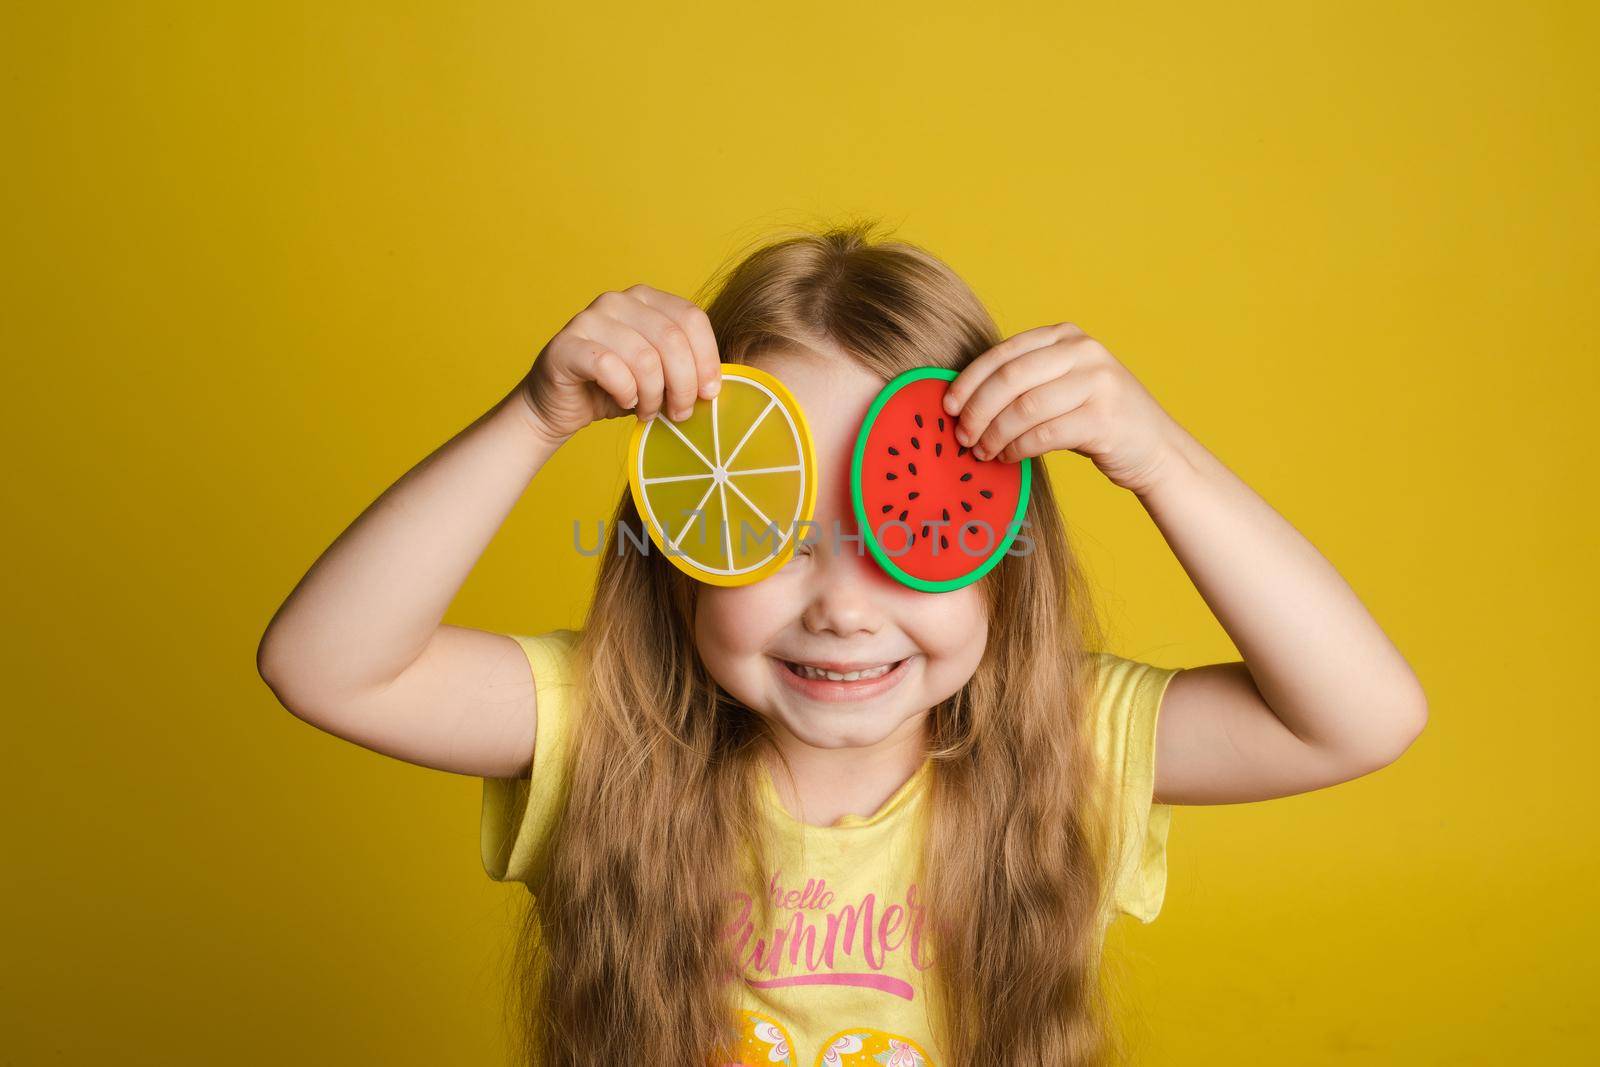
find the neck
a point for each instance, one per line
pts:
(833, 782)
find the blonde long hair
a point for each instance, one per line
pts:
(621, 955)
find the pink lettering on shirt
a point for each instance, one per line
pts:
(820, 944)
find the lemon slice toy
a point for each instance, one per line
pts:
(724, 492)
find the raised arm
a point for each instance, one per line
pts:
(359, 648)
(1322, 695)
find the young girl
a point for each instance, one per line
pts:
(735, 859)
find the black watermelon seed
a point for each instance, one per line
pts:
(938, 447)
(912, 467)
(893, 451)
(967, 477)
(964, 506)
(941, 422)
(887, 508)
(985, 494)
(961, 451)
(944, 542)
(891, 476)
(913, 495)
(915, 443)
(919, 420)
(902, 516)
(946, 513)
(911, 540)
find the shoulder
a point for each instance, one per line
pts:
(518, 815)
(552, 660)
(550, 655)
(1123, 693)
(1124, 706)
(1115, 675)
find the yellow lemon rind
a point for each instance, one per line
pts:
(808, 492)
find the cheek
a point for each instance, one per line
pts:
(955, 645)
(733, 628)
(731, 624)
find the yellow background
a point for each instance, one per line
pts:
(260, 262)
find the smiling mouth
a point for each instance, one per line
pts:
(817, 674)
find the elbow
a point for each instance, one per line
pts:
(1403, 724)
(276, 671)
(269, 661)
(1416, 721)
(290, 671)
(1413, 717)
(270, 668)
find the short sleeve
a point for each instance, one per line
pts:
(1126, 704)
(519, 814)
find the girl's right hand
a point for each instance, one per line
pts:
(641, 349)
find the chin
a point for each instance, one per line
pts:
(843, 728)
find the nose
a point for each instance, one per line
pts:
(844, 597)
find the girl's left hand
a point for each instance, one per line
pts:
(1056, 387)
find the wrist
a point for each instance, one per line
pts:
(1177, 462)
(517, 409)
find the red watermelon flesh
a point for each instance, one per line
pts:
(913, 470)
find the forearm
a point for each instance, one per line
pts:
(1317, 656)
(369, 605)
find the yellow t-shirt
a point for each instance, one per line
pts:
(838, 981)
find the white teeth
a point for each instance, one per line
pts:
(870, 672)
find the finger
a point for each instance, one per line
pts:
(1010, 380)
(671, 344)
(1041, 404)
(613, 375)
(697, 324)
(643, 361)
(589, 364)
(1071, 431)
(974, 373)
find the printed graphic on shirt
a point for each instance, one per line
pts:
(764, 1042)
(863, 942)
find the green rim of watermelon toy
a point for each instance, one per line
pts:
(905, 427)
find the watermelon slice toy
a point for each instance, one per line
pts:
(934, 516)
